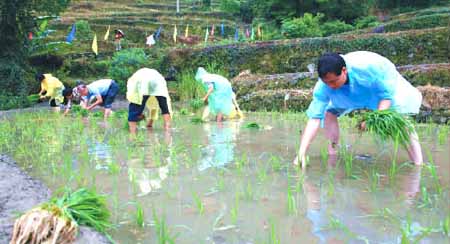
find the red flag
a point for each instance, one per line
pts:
(30, 35)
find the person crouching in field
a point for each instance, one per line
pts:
(357, 80)
(219, 95)
(51, 87)
(147, 87)
(104, 91)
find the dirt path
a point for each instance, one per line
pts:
(19, 193)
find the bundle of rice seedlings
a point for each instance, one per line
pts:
(33, 98)
(197, 120)
(253, 125)
(57, 220)
(389, 125)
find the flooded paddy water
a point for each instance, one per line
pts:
(225, 183)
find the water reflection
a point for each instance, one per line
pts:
(220, 144)
(340, 215)
(148, 171)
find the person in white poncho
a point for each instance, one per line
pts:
(147, 87)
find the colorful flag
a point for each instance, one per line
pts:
(150, 40)
(107, 33)
(212, 30)
(236, 34)
(30, 35)
(252, 36)
(206, 35)
(222, 30)
(95, 45)
(71, 35)
(247, 33)
(259, 33)
(186, 32)
(175, 34)
(158, 32)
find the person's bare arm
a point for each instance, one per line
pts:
(308, 135)
(98, 100)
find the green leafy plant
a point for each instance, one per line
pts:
(253, 125)
(124, 64)
(196, 104)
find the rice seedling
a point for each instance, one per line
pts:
(374, 180)
(163, 233)
(393, 169)
(139, 215)
(273, 237)
(197, 120)
(188, 88)
(248, 192)
(445, 225)
(184, 111)
(234, 211)
(389, 125)
(262, 173)
(443, 134)
(275, 162)
(426, 200)
(431, 167)
(291, 202)
(33, 98)
(324, 156)
(198, 203)
(330, 182)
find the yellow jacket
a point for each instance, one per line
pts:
(53, 86)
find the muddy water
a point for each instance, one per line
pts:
(226, 183)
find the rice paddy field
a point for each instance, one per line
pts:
(235, 182)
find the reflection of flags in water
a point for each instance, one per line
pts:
(71, 35)
(107, 33)
(95, 45)
(186, 32)
(158, 33)
(236, 34)
(175, 34)
(150, 40)
(212, 30)
(206, 35)
(222, 30)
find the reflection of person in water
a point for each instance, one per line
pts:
(351, 206)
(221, 142)
(148, 175)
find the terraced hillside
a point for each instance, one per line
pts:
(137, 19)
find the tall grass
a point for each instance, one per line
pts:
(188, 88)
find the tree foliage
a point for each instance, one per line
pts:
(17, 19)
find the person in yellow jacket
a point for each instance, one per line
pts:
(147, 87)
(52, 88)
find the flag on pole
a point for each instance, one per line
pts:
(175, 34)
(259, 33)
(71, 35)
(206, 35)
(212, 30)
(236, 34)
(95, 45)
(158, 32)
(107, 33)
(186, 32)
(30, 35)
(252, 36)
(222, 30)
(150, 40)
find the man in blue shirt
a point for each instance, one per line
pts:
(357, 80)
(104, 91)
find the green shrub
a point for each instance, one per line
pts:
(13, 102)
(422, 22)
(124, 64)
(230, 6)
(366, 22)
(306, 26)
(83, 31)
(334, 27)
